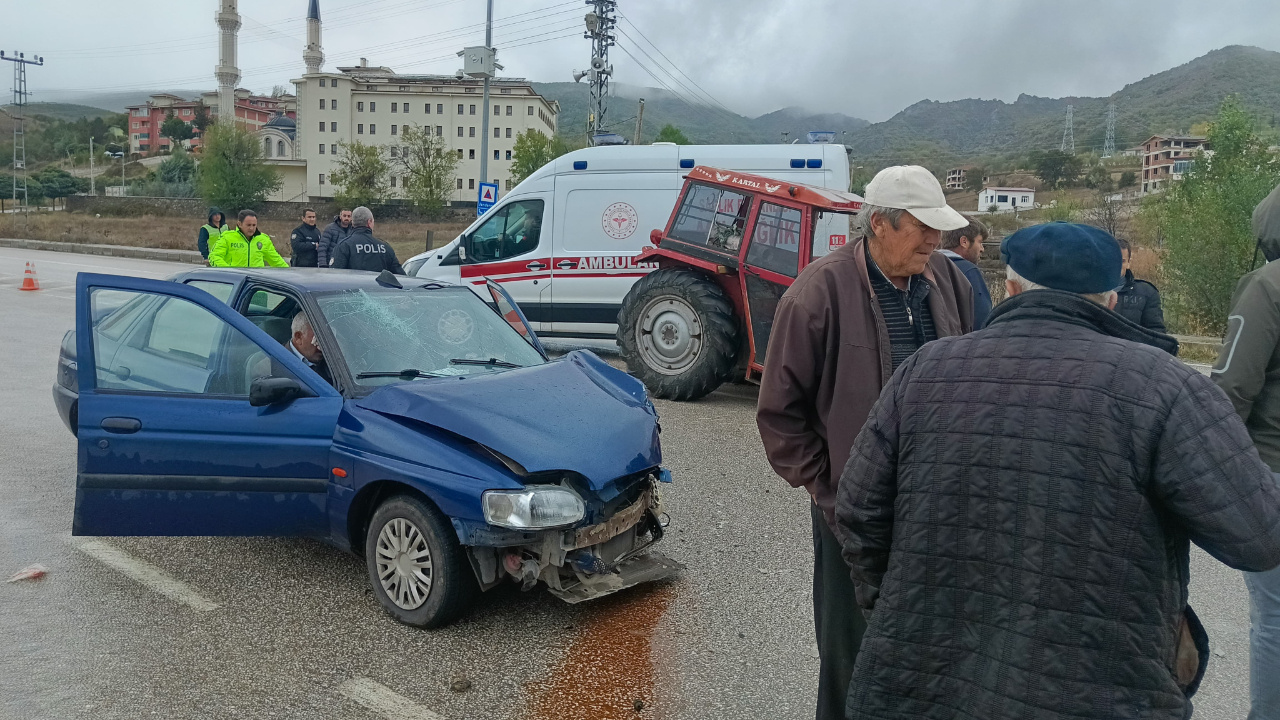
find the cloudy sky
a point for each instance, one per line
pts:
(859, 57)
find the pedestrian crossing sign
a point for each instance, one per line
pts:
(488, 196)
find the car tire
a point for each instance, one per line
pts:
(678, 333)
(405, 521)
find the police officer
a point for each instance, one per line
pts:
(209, 232)
(361, 250)
(1138, 300)
(305, 241)
(245, 246)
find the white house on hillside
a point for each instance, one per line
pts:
(1006, 199)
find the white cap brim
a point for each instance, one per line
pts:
(940, 218)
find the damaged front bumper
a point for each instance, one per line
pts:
(585, 563)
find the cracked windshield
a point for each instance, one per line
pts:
(436, 333)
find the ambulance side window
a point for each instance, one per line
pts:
(515, 229)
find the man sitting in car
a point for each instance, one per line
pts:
(305, 347)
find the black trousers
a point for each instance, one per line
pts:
(837, 619)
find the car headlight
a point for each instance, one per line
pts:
(536, 507)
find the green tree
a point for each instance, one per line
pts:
(58, 183)
(179, 167)
(1204, 220)
(672, 134)
(973, 179)
(1128, 178)
(201, 121)
(532, 150)
(1055, 167)
(1098, 178)
(176, 130)
(429, 169)
(232, 174)
(362, 175)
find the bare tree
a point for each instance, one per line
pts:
(429, 168)
(1107, 212)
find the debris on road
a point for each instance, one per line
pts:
(30, 572)
(459, 684)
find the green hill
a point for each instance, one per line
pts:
(702, 124)
(61, 111)
(941, 133)
(1173, 100)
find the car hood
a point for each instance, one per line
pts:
(577, 413)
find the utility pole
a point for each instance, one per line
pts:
(1069, 133)
(600, 23)
(1109, 146)
(93, 190)
(481, 62)
(484, 124)
(20, 63)
(639, 122)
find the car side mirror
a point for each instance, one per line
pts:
(271, 390)
(462, 247)
(453, 258)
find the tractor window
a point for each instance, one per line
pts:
(775, 244)
(712, 217)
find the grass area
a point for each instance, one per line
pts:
(408, 238)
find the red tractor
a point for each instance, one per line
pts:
(732, 247)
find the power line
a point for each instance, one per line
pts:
(708, 95)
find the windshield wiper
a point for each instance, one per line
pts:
(406, 374)
(491, 362)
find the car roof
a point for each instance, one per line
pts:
(309, 280)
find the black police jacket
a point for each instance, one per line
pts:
(1138, 301)
(304, 241)
(362, 251)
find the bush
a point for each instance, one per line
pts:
(1204, 221)
(361, 176)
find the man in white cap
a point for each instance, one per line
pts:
(839, 333)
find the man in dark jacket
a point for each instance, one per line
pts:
(1248, 370)
(305, 241)
(361, 250)
(337, 231)
(1138, 300)
(839, 332)
(964, 248)
(1017, 511)
(215, 225)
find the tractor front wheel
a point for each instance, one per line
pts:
(678, 334)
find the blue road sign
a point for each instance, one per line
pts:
(488, 196)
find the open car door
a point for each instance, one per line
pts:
(169, 440)
(507, 308)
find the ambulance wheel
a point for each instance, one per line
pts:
(418, 570)
(678, 334)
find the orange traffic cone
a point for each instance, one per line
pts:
(29, 281)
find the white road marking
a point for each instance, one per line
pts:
(147, 574)
(383, 700)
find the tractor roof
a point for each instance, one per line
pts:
(819, 197)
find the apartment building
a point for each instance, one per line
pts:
(373, 105)
(1166, 157)
(145, 121)
(252, 112)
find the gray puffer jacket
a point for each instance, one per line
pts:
(1017, 514)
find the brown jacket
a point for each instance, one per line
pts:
(828, 358)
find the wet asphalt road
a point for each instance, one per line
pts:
(296, 633)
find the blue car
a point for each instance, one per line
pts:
(413, 424)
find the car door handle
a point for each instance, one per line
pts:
(535, 265)
(121, 425)
(567, 265)
(122, 372)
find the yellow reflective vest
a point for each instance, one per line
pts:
(232, 249)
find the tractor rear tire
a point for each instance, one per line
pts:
(678, 333)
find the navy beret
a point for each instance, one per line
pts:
(1065, 256)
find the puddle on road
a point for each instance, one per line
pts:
(609, 665)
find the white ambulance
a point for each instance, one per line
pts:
(564, 241)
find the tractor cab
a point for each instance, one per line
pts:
(732, 247)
